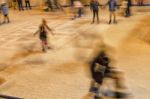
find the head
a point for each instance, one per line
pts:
(3, 3)
(44, 21)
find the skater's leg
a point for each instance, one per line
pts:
(118, 77)
(43, 46)
(94, 13)
(114, 14)
(95, 90)
(29, 5)
(7, 19)
(110, 17)
(26, 5)
(97, 14)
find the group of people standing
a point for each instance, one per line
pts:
(19, 3)
(95, 6)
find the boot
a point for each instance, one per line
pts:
(109, 21)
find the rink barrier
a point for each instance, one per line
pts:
(9, 97)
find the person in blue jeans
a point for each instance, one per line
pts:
(128, 10)
(4, 8)
(94, 6)
(112, 9)
(20, 5)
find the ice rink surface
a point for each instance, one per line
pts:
(62, 73)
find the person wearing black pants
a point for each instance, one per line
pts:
(140, 2)
(27, 2)
(100, 69)
(71, 3)
(20, 5)
(94, 5)
(128, 10)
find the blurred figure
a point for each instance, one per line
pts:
(71, 3)
(49, 2)
(112, 9)
(128, 10)
(124, 6)
(42, 31)
(94, 6)
(20, 5)
(140, 2)
(78, 7)
(5, 12)
(0, 14)
(100, 69)
(28, 6)
(58, 5)
(14, 4)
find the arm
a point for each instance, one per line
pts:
(49, 29)
(36, 32)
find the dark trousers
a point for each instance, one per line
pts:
(20, 5)
(50, 5)
(95, 14)
(128, 11)
(80, 12)
(140, 2)
(28, 4)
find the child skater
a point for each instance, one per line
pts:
(43, 34)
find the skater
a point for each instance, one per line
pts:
(0, 14)
(128, 10)
(71, 3)
(43, 34)
(78, 7)
(49, 2)
(56, 4)
(94, 6)
(5, 12)
(20, 5)
(14, 4)
(112, 9)
(140, 2)
(28, 6)
(101, 69)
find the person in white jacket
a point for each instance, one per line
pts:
(78, 7)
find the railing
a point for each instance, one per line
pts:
(9, 97)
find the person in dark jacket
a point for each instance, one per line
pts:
(28, 6)
(94, 6)
(112, 9)
(101, 69)
(128, 10)
(20, 5)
